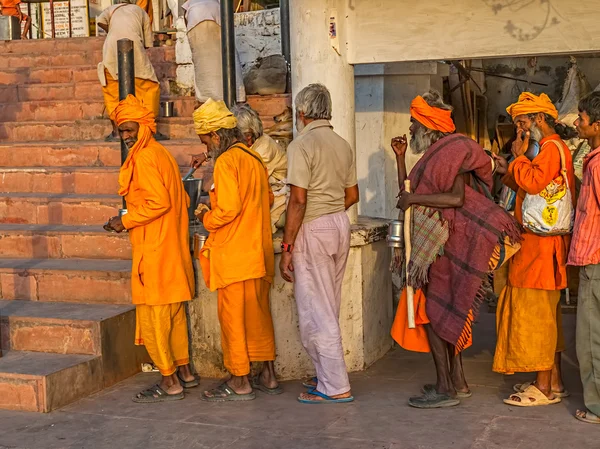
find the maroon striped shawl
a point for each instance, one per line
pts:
(456, 277)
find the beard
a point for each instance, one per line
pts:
(130, 142)
(535, 133)
(215, 151)
(421, 140)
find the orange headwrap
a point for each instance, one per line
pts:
(131, 110)
(531, 104)
(430, 117)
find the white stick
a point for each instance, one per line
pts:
(410, 305)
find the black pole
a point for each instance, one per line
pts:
(284, 19)
(228, 52)
(126, 70)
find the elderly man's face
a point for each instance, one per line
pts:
(129, 133)
(212, 142)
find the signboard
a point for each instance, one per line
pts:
(80, 22)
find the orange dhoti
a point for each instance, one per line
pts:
(147, 91)
(246, 325)
(163, 330)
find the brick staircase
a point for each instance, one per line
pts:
(66, 319)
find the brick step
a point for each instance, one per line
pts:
(62, 242)
(51, 45)
(83, 90)
(66, 280)
(84, 154)
(95, 180)
(81, 57)
(58, 208)
(175, 128)
(59, 328)
(40, 382)
(269, 106)
(70, 73)
(73, 107)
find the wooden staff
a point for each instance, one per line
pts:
(410, 293)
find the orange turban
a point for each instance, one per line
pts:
(131, 110)
(430, 117)
(532, 104)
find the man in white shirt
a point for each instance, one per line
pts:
(203, 19)
(126, 20)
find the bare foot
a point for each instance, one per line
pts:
(185, 373)
(314, 397)
(310, 381)
(267, 376)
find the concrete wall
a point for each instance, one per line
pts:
(257, 35)
(366, 315)
(393, 30)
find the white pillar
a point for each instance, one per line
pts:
(314, 60)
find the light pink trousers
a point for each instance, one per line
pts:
(319, 257)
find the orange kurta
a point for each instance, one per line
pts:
(240, 244)
(157, 220)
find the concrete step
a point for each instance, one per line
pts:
(58, 208)
(175, 128)
(84, 154)
(70, 73)
(40, 382)
(62, 242)
(38, 58)
(94, 180)
(66, 280)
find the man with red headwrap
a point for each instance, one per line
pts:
(457, 235)
(162, 277)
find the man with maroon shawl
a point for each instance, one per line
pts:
(450, 261)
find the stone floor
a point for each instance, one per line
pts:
(379, 418)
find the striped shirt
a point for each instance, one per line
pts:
(585, 245)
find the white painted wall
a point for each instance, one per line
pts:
(403, 30)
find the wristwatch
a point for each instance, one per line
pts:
(287, 248)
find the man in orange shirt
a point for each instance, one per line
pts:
(162, 277)
(237, 259)
(13, 8)
(585, 253)
(528, 318)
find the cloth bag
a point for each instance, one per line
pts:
(551, 211)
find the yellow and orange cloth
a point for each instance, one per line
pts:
(147, 91)
(433, 118)
(531, 104)
(146, 5)
(212, 116)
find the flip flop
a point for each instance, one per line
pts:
(224, 393)
(531, 397)
(433, 399)
(156, 394)
(257, 385)
(305, 383)
(188, 384)
(588, 417)
(459, 394)
(327, 399)
(520, 388)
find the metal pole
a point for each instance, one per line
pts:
(126, 71)
(284, 19)
(228, 52)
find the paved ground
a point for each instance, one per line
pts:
(378, 419)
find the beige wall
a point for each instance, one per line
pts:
(401, 30)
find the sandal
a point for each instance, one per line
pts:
(587, 416)
(531, 397)
(520, 388)
(459, 394)
(259, 386)
(224, 393)
(305, 382)
(326, 399)
(188, 383)
(433, 399)
(156, 394)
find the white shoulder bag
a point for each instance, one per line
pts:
(551, 211)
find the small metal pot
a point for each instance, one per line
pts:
(122, 212)
(167, 107)
(395, 234)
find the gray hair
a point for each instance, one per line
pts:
(248, 120)
(228, 138)
(314, 101)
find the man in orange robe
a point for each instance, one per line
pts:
(528, 318)
(13, 8)
(237, 259)
(162, 277)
